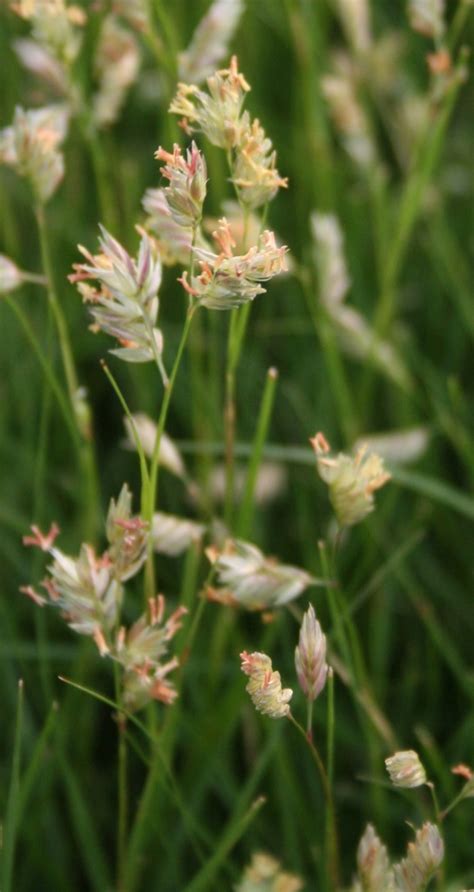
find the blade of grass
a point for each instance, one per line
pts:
(12, 815)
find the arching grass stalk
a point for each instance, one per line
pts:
(154, 468)
(332, 848)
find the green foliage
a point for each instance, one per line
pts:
(210, 782)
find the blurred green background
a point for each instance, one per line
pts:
(409, 565)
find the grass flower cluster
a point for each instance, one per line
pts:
(136, 754)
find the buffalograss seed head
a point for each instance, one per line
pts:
(351, 481)
(246, 578)
(30, 146)
(126, 303)
(424, 857)
(373, 865)
(310, 656)
(264, 686)
(187, 183)
(265, 874)
(405, 769)
(226, 280)
(217, 113)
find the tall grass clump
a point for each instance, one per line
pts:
(234, 233)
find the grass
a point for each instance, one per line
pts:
(207, 781)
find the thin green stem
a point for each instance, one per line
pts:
(154, 468)
(122, 817)
(263, 422)
(13, 802)
(63, 335)
(330, 727)
(332, 848)
(145, 477)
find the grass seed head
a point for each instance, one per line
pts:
(405, 769)
(351, 481)
(264, 686)
(310, 656)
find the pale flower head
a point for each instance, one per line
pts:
(254, 172)
(334, 280)
(127, 535)
(264, 686)
(10, 275)
(187, 183)
(373, 865)
(173, 535)
(265, 874)
(355, 17)
(210, 41)
(141, 650)
(351, 481)
(405, 769)
(55, 26)
(246, 578)
(427, 17)
(424, 857)
(117, 62)
(126, 303)
(310, 656)
(339, 88)
(227, 280)
(174, 241)
(216, 113)
(145, 428)
(30, 146)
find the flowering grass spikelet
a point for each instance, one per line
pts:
(265, 874)
(210, 41)
(126, 303)
(30, 146)
(10, 275)
(173, 535)
(217, 113)
(226, 280)
(54, 27)
(355, 17)
(351, 481)
(427, 17)
(117, 62)
(145, 428)
(174, 241)
(254, 172)
(405, 769)
(127, 536)
(373, 865)
(187, 183)
(350, 119)
(140, 651)
(424, 857)
(264, 685)
(310, 656)
(352, 331)
(246, 578)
